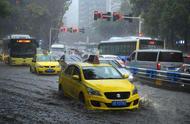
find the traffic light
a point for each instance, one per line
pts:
(116, 16)
(71, 29)
(97, 15)
(75, 29)
(63, 29)
(107, 16)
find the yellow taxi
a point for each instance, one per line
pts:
(45, 64)
(98, 86)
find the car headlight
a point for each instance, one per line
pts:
(135, 91)
(93, 92)
(39, 66)
(131, 78)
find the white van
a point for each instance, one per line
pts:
(160, 59)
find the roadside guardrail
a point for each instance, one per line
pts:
(160, 76)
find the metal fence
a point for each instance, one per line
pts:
(161, 76)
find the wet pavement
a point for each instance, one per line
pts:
(28, 98)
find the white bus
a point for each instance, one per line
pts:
(57, 50)
(126, 45)
(58, 47)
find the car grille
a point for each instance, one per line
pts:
(49, 66)
(117, 95)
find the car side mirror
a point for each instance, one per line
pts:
(75, 77)
(125, 76)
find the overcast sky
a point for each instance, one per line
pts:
(72, 14)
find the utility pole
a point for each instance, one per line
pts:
(140, 23)
(50, 35)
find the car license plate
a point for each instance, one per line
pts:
(49, 70)
(118, 103)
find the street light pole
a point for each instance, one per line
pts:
(140, 26)
(50, 35)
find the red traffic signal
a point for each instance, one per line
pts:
(75, 29)
(63, 29)
(97, 15)
(71, 29)
(107, 16)
(117, 16)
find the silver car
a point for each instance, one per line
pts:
(159, 59)
(118, 66)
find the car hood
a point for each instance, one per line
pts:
(112, 85)
(53, 63)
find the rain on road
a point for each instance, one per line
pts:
(29, 98)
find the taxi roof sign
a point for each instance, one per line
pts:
(94, 59)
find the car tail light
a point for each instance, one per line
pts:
(158, 66)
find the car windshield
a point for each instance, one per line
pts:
(101, 72)
(114, 63)
(45, 58)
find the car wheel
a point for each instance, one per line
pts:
(35, 70)
(9, 61)
(81, 98)
(31, 70)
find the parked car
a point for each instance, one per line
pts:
(185, 68)
(186, 58)
(98, 86)
(68, 59)
(118, 66)
(113, 57)
(160, 59)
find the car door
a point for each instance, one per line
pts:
(66, 77)
(76, 84)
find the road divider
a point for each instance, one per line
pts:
(160, 76)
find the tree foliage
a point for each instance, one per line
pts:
(34, 17)
(5, 8)
(167, 19)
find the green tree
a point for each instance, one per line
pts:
(167, 19)
(34, 17)
(5, 8)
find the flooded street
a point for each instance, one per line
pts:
(29, 98)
